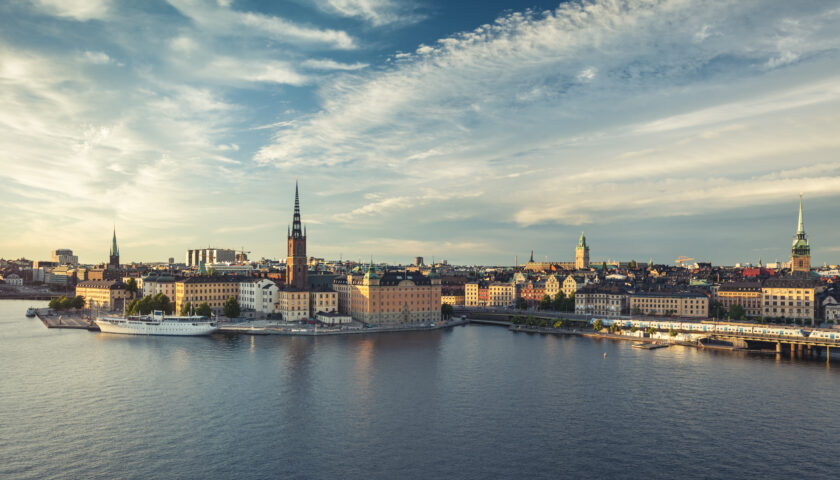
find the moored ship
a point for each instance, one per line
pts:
(157, 323)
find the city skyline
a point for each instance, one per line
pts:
(468, 134)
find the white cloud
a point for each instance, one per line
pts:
(219, 19)
(327, 64)
(97, 58)
(81, 10)
(375, 12)
(525, 104)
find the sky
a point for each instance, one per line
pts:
(471, 131)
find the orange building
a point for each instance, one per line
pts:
(390, 298)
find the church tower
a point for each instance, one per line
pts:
(801, 251)
(582, 254)
(296, 265)
(114, 257)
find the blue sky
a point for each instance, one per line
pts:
(471, 131)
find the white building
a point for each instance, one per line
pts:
(210, 255)
(64, 256)
(13, 279)
(153, 285)
(259, 295)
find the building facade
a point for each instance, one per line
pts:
(210, 255)
(293, 304)
(680, 304)
(64, 256)
(323, 301)
(258, 295)
(103, 294)
(501, 294)
(789, 298)
(745, 294)
(153, 285)
(606, 301)
(212, 290)
(390, 299)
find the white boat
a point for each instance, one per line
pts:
(157, 323)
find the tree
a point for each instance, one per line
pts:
(598, 325)
(185, 308)
(559, 303)
(615, 327)
(131, 287)
(231, 308)
(634, 329)
(446, 310)
(558, 324)
(204, 310)
(737, 312)
(545, 303)
(521, 304)
(570, 303)
(651, 331)
(78, 301)
(717, 310)
(161, 302)
(672, 332)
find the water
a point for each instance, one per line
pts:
(472, 402)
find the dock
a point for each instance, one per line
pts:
(52, 319)
(651, 346)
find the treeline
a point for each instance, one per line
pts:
(560, 303)
(532, 321)
(146, 305)
(65, 303)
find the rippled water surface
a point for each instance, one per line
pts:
(471, 402)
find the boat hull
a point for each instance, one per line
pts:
(164, 328)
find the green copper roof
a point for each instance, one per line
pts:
(115, 252)
(582, 241)
(800, 241)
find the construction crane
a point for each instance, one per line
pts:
(682, 259)
(242, 257)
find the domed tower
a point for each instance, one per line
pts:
(801, 251)
(296, 266)
(582, 253)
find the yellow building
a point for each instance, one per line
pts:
(212, 290)
(501, 294)
(323, 301)
(293, 304)
(680, 304)
(553, 285)
(789, 298)
(745, 294)
(392, 298)
(571, 284)
(103, 294)
(454, 297)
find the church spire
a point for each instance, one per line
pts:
(296, 226)
(115, 252)
(801, 229)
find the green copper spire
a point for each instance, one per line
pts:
(582, 241)
(115, 252)
(800, 241)
(801, 228)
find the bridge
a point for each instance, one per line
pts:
(802, 346)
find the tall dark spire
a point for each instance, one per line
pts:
(114, 250)
(296, 228)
